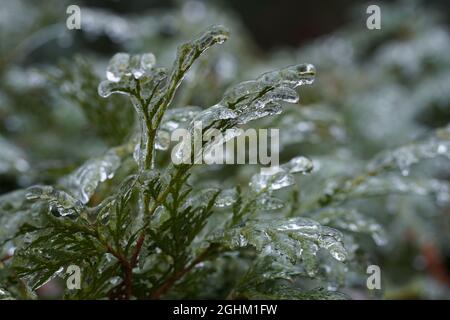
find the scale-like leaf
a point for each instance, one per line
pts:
(286, 240)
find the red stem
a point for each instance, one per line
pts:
(169, 283)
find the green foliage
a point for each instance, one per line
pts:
(141, 226)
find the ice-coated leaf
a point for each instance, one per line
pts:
(384, 185)
(313, 295)
(123, 65)
(292, 76)
(189, 52)
(151, 90)
(83, 183)
(57, 200)
(124, 72)
(275, 291)
(272, 180)
(286, 240)
(402, 158)
(261, 282)
(151, 82)
(123, 86)
(226, 198)
(266, 202)
(214, 113)
(275, 178)
(259, 98)
(117, 67)
(201, 198)
(351, 220)
(298, 165)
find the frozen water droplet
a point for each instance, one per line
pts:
(214, 34)
(272, 181)
(104, 89)
(148, 60)
(331, 240)
(293, 76)
(299, 165)
(115, 281)
(117, 67)
(141, 64)
(226, 198)
(270, 203)
(442, 149)
(162, 141)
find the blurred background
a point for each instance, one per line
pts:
(375, 90)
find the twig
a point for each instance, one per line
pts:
(125, 290)
(435, 264)
(6, 258)
(169, 283)
(137, 250)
